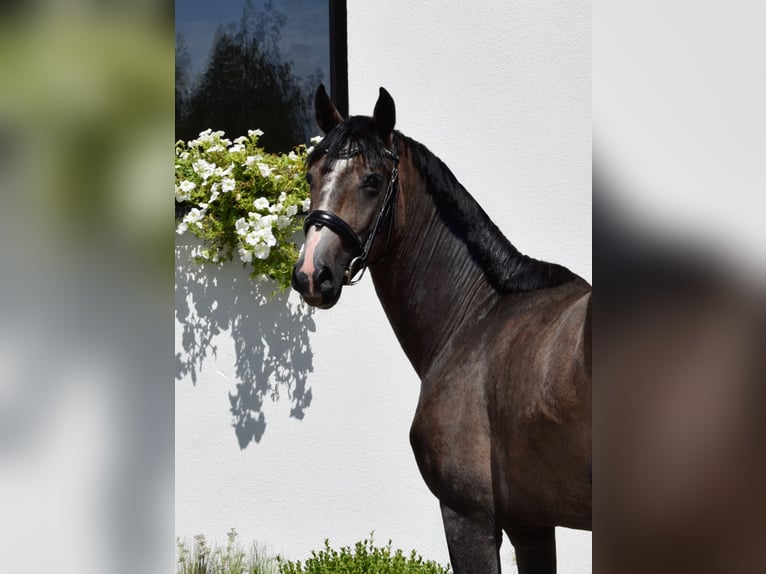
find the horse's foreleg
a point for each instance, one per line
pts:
(473, 544)
(535, 549)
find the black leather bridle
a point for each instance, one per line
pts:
(360, 250)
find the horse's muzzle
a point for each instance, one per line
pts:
(321, 290)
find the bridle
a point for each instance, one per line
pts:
(360, 251)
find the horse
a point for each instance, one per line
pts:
(501, 342)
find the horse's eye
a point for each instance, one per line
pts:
(372, 182)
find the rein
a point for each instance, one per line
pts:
(361, 251)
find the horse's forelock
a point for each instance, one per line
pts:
(358, 135)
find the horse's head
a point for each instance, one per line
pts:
(353, 177)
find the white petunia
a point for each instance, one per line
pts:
(316, 139)
(243, 227)
(216, 148)
(182, 195)
(214, 191)
(227, 184)
(261, 251)
(264, 169)
(291, 210)
(261, 203)
(283, 221)
(306, 205)
(255, 133)
(182, 227)
(282, 197)
(194, 216)
(187, 186)
(292, 156)
(245, 255)
(203, 168)
(236, 148)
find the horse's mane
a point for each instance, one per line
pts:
(505, 268)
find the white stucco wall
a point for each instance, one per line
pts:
(499, 91)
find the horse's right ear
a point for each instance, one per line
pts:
(327, 116)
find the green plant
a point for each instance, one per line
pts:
(242, 200)
(201, 558)
(365, 558)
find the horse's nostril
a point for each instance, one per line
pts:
(324, 277)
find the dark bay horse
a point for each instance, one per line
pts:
(501, 341)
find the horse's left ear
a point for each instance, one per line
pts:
(385, 115)
(326, 114)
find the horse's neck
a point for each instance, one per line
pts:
(427, 282)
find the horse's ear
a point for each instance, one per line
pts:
(327, 116)
(385, 115)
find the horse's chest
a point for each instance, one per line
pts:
(451, 442)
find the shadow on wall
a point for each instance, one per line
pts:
(270, 335)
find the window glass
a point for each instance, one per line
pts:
(245, 64)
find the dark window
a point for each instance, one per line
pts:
(244, 64)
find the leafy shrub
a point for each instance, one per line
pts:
(365, 558)
(242, 200)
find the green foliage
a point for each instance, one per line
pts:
(365, 558)
(242, 201)
(201, 558)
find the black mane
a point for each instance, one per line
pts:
(506, 269)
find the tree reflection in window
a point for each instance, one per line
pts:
(251, 79)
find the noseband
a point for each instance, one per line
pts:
(361, 251)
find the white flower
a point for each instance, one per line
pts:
(306, 205)
(236, 148)
(184, 189)
(204, 137)
(309, 150)
(194, 216)
(264, 169)
(292, 156)
(261, 251)
(182, 195)
(266, 222)
(182, 227)
(261, 203)
(214, 191)
(220, 172)
(282, 197)
(282, 221)
(187, 186)
(203, 168)
(251, 159)
(255, 133)
(316, 139)
(227, 184)
(216, 148)
(242, 226)
(291, 210)
(245, 255)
